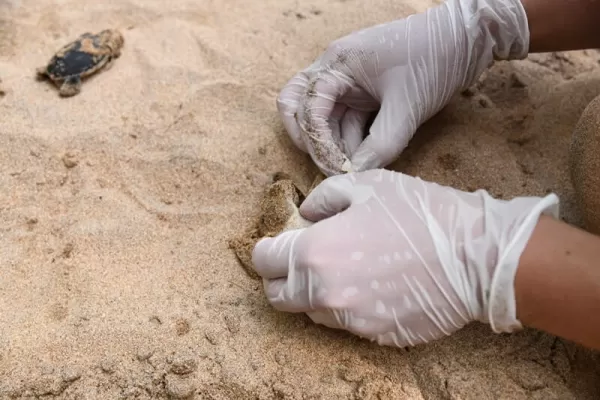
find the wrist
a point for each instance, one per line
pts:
(557, 284)
(519, 217)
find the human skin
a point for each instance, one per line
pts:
(563, 25)
(557, 284)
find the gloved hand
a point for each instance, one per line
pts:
(409, 69)
(399, 260)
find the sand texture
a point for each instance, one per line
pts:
(118, 205)
(584, 164)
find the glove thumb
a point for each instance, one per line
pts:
(388, 137)
(331, 196)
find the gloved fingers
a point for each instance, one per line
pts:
(335, 124)
(361, 324)
(389, 135)
(359, 99)
(325, 317)
(314, 112)
(353, 129)
(331, 196)
(286, 296)
(287, 105)
(272, 256)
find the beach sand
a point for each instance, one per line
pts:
(117, 206)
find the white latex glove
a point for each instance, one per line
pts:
(399, 260)
(409, 69)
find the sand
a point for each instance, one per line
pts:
(118, 204)
(584, 163)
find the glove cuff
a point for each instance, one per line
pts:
(501, 310)
(495, 30)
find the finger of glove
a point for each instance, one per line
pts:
(331, 196)
(360, 99)
(335, 122)
(287, 296)
(353, 129)
(389, 135)
(287, 105)
(314, 111)
(271, 257)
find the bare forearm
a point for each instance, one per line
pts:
(563, 25)
(557, 284)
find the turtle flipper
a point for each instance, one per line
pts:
(41, 73)
(71, 86)
(109, 63)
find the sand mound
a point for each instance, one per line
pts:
(117, 206)
(584, 163)
(278, 213)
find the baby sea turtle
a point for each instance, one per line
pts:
(84, 56)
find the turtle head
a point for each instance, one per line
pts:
(112, 38)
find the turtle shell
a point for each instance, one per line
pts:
(81, 57)
(75, 63)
